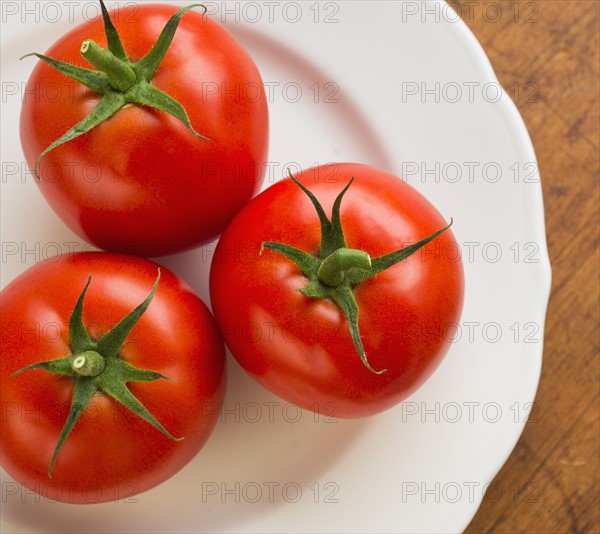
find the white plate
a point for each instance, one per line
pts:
(403, 86)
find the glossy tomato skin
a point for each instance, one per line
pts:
(301, 348)
(141, 182)
(111, 453)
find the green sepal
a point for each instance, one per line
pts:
(332, 236)
(108, 105)
(336, 239)
(344, 298)
(79, 338)
(149, 64)
(82, 394)
(323, 219)
(385, 262)
(315, 289)
(148, 95)
(112, 36)
(308, 264)
(128, 373)
(110, 343)
(93, 79)
(119, 391)
(61, 366)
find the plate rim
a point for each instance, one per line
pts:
(518, 127)
(515, 122)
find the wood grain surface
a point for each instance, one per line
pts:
(546, 54)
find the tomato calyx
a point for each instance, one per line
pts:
(97, 366)
(337, 270)
(118, 80)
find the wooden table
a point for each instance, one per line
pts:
(546, 54)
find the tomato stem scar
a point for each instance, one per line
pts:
(332, 270)
(88, 363)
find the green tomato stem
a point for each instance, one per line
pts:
(121, 76)
(332, 270)
(88, 363)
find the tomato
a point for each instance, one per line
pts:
(334, 324)
(175, 366)
(141, 181)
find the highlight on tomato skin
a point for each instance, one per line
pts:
(145, 150)
(151, 404)
(333, 288)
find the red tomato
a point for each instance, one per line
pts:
(111, 453)
(301, 348)
(141, 182)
